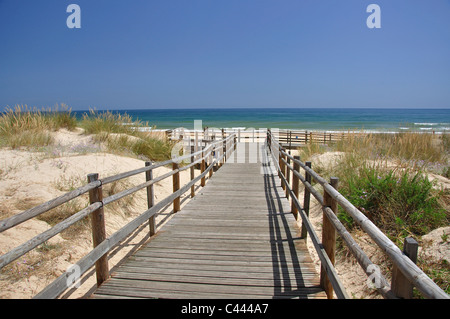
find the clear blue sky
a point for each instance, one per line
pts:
(225, 53)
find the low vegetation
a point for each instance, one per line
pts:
(22, 126)
(386, 176)
(124, 136)
(32, 128)
(401, 202)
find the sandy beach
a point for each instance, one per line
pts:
(30, 178)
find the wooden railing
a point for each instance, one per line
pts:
(214, 154)
(201, 137)
(291, 139)
(406, 273)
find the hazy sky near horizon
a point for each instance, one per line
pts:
(236, 53)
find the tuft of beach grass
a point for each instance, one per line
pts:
(24, 127)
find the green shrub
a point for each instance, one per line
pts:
(399, 203)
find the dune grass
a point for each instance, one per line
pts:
(417, 150)
(122, 135)
(32, 128)
(105, 123)
(24, 127)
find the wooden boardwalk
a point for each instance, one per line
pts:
(237, 238)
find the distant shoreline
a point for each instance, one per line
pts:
(314, 120)
(331, 120)
(261, 130)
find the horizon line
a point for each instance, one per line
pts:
(3, 108)
(267, 107)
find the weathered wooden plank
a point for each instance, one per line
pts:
(242, 233)
(259, 256)
(216, 246)
(258, 282)
(266, 224)
(235, 244)
(231, 257)
(282, 260)
(304, 270)
(267, 270)
(242, 189)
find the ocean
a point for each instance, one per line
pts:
(311, 119)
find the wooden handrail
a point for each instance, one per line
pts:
(37, 210)
(43, 237)
(294, 138)
(97, 203)
(409, 269)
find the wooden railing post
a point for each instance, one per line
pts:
(150, 198)
(328, 238)
(196, 145)
(283, 170)
(290, 139)
(279, 164)
(202, 169)
(176, 187)
(211, 160)
(306, 200)
(192, 177)
(98, 229)
(224, 150)
(295, 186)
(288, 174)
(400, 285)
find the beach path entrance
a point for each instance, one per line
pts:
(237, 238)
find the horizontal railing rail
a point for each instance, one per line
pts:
(331, 197)
(294, 138)
(214, 154)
